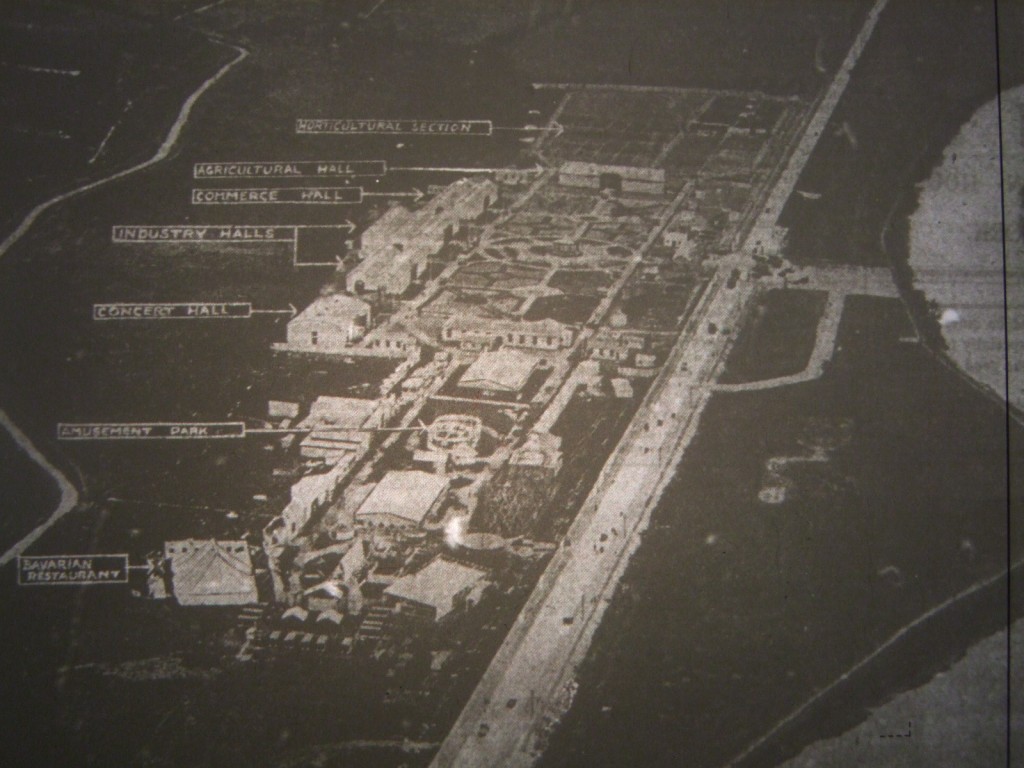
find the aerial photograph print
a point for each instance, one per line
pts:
(527, 383)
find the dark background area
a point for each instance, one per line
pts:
(924, 469)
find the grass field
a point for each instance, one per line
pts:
(87, 93)
(778, 337)
(29, 493)
(734, 612)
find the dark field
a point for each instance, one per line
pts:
(657, 306)
(928, 67)
(29, 495)
(778, 337)
(530, 502)
(590, 428)
(734, 612)
(281, 709)
(427, 58)
(516, 502)
(768, 46)
(106, 73)
(581, 282)
(571, 310)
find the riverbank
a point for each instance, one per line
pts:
(959, 718)
(956, 246)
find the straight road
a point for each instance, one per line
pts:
(529, 684)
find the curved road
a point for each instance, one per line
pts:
(68, 493)
(161, 153)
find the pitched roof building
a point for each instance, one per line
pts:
(210, 572)
(339, 425)
(506, 371)
(330, 324)
(403, 499)
(438, 589)
(528, 334)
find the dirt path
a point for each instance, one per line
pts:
(68, 494)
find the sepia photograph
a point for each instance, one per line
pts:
(527, 383)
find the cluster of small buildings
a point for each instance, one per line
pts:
(622, 347)
(371, 564)
(339, 426)
(351, 551)
(384, 564)
(340, 324)
(394, 253)
(376, 534)
(340, 432)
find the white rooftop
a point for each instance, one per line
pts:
(506, 370)
(407, 494)
(336, 308)
(579, 168)
(436, 584)
(545, 325)
(210, 572)
(402, 237)
(348, 412)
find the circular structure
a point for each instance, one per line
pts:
(455, 433)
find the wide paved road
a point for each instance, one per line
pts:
(528, 685)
